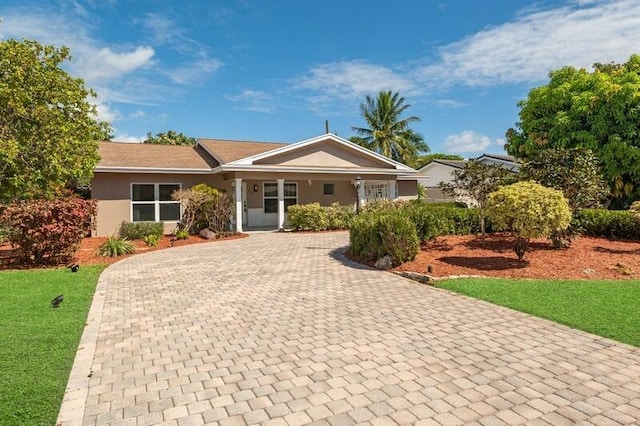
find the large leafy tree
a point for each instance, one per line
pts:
(574, 171)
(48, 126)
(598, 110)
(169, 138)
(387, 133)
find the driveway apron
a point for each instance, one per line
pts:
(281, 329)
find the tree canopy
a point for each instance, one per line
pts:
(387, 133)
(48, 125)
(598, 110)
(574, 171)
(169, 138)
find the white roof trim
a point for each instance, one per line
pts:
(119, 169)
(301, 144)
(232, 167)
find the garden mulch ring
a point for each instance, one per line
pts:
(86, 254)
(587, 258)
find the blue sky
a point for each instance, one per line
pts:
(276, 70)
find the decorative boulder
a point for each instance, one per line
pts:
(385, 262)
(208, 234)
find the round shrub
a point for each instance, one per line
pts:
(307, 217)
(374, 235)
(528, 210)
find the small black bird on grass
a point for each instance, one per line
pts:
(73, 267)
(173, 241)
(57, 301)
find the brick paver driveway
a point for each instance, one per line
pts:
(280, 328)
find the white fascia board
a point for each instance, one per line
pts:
(293, 169)
(116, 169)
(301, 144)
(411, 177)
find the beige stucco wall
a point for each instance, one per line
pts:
(407, 189)
(326, 154)
(113, 192)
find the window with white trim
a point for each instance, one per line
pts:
(270, 191)
(152, 202)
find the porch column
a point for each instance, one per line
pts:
(280, 203)
(392, 190)
(238, 192)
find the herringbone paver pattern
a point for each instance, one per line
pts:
(279, 329)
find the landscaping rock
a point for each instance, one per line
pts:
(208, 234)
(385, 262)
(415, 276)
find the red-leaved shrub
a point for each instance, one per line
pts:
(48, 232)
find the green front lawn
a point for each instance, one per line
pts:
(38, 343)
(606, 308)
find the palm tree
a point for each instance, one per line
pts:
(387, 133)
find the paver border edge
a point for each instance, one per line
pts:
(75, 395)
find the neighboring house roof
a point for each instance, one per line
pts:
(505, 161)
(128, 157)
(506, 158)
(226, 151)
(458, 164)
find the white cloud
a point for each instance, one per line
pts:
(129, 139)
(164, 31)
(467, 141)
(194, 72)
(353, 79)
(255, 100)
(107, 113)
(104, 64)
(450, 103)
(138, 114)
(537, 41)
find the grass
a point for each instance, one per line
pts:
(606, 308)
(38, 343)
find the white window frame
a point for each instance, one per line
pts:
(376, 191)
(270, 197)
(156, 200)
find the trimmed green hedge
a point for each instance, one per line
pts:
(434, 220)
(313, 217)
(606, 223)
(374, 235)
(139, 230)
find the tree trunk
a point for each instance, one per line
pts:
(522, 244)
(482, 227)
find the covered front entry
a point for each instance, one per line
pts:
(263, 202)
(322, 169)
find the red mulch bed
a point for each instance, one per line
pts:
(587, 257)
(86, 254)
